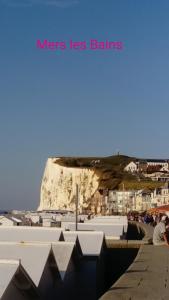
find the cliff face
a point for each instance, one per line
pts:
(58, 188)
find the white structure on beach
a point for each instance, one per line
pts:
(41, 263)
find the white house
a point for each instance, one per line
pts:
(164, 168)
(9, 221)
(160, 197)
(4, 221)
(131, 167)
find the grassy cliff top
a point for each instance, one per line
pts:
(111, 171)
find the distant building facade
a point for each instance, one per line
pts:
(148, 166)
(124, 201)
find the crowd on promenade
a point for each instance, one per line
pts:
(159, 221)
(146, 218)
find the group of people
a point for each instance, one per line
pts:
(146, 218)
(160, 222)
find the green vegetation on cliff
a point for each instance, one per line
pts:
(111, 171)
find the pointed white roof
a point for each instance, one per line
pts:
(33, 257)
(72, 236)
(8, 269)
(115, 222)
(90, 241)
(29, 234)
(108, 219)
(63, 252)
(108, 229)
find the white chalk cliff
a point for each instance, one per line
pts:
(58, 188)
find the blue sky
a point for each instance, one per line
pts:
(79, 102)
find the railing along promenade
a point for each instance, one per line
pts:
(148, 275)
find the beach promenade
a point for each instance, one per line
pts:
(148, 275)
